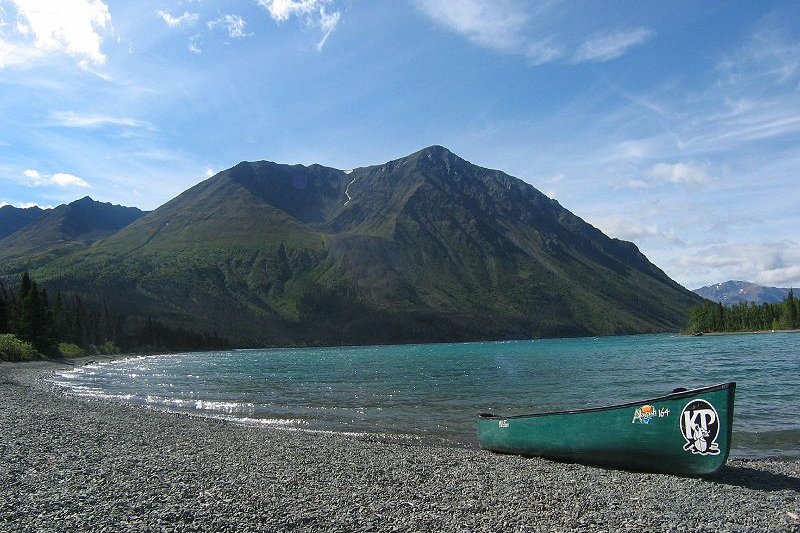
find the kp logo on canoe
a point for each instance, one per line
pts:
(700, 427)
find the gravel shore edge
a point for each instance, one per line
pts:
(71, 464)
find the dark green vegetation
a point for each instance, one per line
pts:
(424, 248)
(733, 292)
(32, 326)
(714, 317)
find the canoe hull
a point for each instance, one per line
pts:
(682, 433)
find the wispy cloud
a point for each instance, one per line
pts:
(185, 20)
(70, 119)
(639, 184)
(59, 179)
(770, 52)
(608, 46)
(320, 14)
(684, 173)
(234, 24)
(15, 54)
(194, 45)
(525, 29)
(633, 229)
(769, 262)
(72, 27)
(499, 25)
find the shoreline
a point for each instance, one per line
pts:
(77, 464)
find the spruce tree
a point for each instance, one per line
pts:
(789, 312)
(27, 301)
(3, 311)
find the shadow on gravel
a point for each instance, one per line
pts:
(752, 478)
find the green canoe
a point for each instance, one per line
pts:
(686, 432)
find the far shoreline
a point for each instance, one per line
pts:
(725, 333)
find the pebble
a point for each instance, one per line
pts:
(68, 464)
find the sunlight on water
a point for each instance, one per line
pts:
(434, 391)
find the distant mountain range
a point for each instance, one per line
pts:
(31, 237)
(428, 247)
(733, 292)
(14, 218)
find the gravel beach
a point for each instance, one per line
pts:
(69, 464)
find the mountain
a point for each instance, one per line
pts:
(63, 230)
(733, 292)
(428, 247)
(15, 218)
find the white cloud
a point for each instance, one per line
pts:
(626, 228)
(313, 12)
(181, 21)
(781, 277)
(194, 45)
(499, 25)
(529, 30)
(65, 26)
(689, 173)
(67, 180)
(608, 46)
(209, 172)
(59, 179)
(236, 25)
(282, 10)
(766, 263)
(70, 119)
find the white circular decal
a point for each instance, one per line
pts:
(700, 427)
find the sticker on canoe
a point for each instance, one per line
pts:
(646, 413)
(700, 426)
(503, 423)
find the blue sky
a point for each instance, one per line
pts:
(675, 125)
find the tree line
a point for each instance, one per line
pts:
(33, 323)
(710, 317)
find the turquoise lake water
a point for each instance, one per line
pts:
(433, 391)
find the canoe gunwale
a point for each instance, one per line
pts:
(671, 396)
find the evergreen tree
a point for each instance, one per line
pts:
(789, 312)
(27, 301)
(4, 310)
(45, 330)
(797, 312)
(78, 324)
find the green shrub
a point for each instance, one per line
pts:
(107, 348)
(13, 349)
(70, 351)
